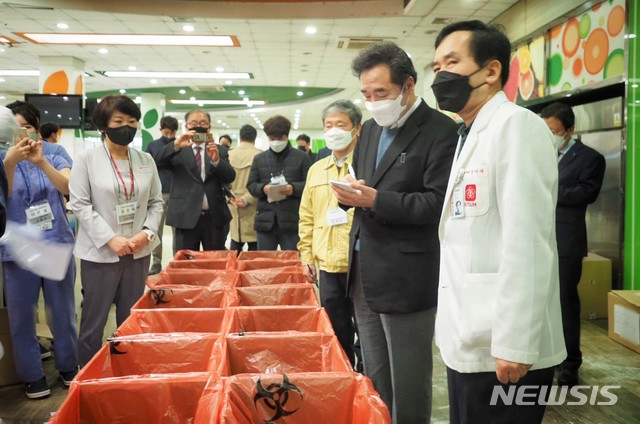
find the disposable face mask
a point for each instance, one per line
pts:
(278, 145)
(386, 112)
(302, 148)
(121, 135)
(452, 90)
(337, 139)
(560, 141)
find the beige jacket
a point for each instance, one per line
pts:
(241, 225)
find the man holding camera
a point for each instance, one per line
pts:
(197, 207)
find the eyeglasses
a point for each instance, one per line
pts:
(203, 124)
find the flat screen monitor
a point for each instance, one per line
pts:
(64, 109)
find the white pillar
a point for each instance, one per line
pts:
(153, 109)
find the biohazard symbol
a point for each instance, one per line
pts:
(275, 397)
(157, 296)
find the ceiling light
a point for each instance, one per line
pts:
(188, 28)
(200, 104)
(103, 51)
(122, 91)
(1, 79)
(357, 101)
(193, 75)
(634, 85)
(19, 73)
(228, 82)
(132, 39)
(2, 97)
(138, 99)
(193, 99)
(245, 99)
(182, 91)
(1, 50)
(241, 92)
(216, 102)
(219, 69)
(310, 30)
(153, 81)
(132, 68)
(62, 25)
(299, 94)
(302, 83)
(298, 110)
(253, 114)
(219, 121)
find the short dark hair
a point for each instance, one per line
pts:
(186, 115)
(488, 42)
(562, 112)
(29, 112)
(227, 136)
(49, 128)
(385, 53)
(304, 138)
(169, 122)
(277, 126)
(109, 104)
(248, 133)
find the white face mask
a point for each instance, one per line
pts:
(560, 141)
(386, 112)
(278, 145)
(337, 139)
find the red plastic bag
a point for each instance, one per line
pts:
(154, 354)
(182, 320)
(186, 255)
(217, 264)
(262, 277)
(265, 264)
(327, 398)
(168, 296)
(269, 254)
(279, 318)
(166, 399)
(287, 294)
(285, 352)
(193, 277)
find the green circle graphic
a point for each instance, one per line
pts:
(615, 64)
(150, 118)
(146, 139)
(555, 69)
(585, 26)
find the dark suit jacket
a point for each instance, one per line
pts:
(188, 189)
(399, 248)
(323, 153)
(580, 174)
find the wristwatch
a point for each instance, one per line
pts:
(151, 236)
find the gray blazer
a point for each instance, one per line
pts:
(93, 194)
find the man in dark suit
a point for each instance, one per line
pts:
(323, 153)
(580, 173)
(197, 207)
(401, 162)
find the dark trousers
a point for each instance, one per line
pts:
(470, 398)
(570, 272)
(334, 299)
(211, 237)
(238, 245)
(269, 240)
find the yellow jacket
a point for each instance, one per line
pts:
(326, 245)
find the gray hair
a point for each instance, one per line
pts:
(8, 125)
(344, 106)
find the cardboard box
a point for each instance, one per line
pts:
(594, 285)
(624, 318)
(7, 366)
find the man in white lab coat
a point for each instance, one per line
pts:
(499, 322)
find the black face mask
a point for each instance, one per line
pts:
(121, 136)
(169, 139)
(304, 149)
(199, 129)
(453, 90)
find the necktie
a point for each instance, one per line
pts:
(386, 138)
(199, 160)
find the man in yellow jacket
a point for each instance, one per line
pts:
(324, 227)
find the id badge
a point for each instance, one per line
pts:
(40, 216)
(457, 203)
(336, 216)
(125, 213)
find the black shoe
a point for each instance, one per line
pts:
(37, 389)
(44, 352)
(68, 376)
(567, 377)
(155, 269)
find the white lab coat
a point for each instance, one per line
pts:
(499, 289)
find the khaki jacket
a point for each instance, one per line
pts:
(241, 226)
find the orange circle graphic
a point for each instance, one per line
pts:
(79, 85)
(615, 21)
(577, 67)
(571, 38)
(596, 51)
(58, 83)
(555, 32)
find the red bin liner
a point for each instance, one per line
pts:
(279, 318)
(186, 255)
(175, 320)
(287, 294)
(165, 399)
(286, 352)
(327, 398)
(265, 264)
(154, 354)
(193, 277)
(269, 254)
(169, 296)
(216, 263)
(262, 277)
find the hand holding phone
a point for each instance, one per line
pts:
(344, 185)
(21, 134)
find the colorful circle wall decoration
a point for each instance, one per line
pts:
(526, 72)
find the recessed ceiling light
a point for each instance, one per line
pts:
(1, 79)
(217, 102)
(634, 85)
(122, 91)
(310, 30)
(153, 81)
(219, 121)
(299, 94)
(200, 104)
(357, 101)
(138, 99)
(193, 99)
(193, 75)
(132, 68)
(103, 50)
(245, 99)
(132, 39)
(182, 91)
(241, 92)
(19, 73)
(302, 83)
(2, 97)
(188, 28)
(62, 25)
(228, 82)
(219, 69)
(298, 111)
(253, 114)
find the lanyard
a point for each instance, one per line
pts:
(117, 171)
(27, 185)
